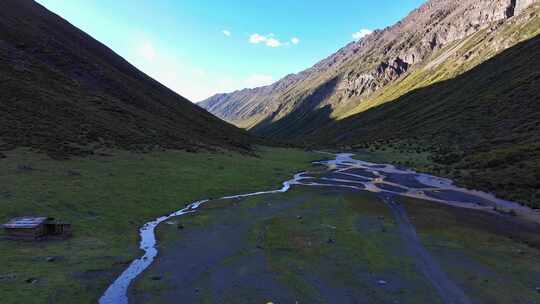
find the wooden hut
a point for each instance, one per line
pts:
(35, 228)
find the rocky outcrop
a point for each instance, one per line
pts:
(364, 84)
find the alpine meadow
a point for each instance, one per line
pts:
(224, 151)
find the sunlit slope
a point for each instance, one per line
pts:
(456, 59)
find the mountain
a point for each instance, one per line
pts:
(65, 93)
(483, 126)
(438, 41)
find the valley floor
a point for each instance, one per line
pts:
(326, 240)
(107, 199)
(332, 244)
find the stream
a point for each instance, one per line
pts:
(344, 172)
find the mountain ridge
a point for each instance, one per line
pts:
(364, 68)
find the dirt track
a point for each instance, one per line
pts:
(449, 291)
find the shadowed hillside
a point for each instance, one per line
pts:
(65, 93)
(484, 125)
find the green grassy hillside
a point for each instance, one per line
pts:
(64, 93)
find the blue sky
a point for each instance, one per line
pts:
(202, 47)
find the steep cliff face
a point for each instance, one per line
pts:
(362, 72)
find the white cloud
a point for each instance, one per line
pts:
(273, 42)
(258, 80)
(295, 40)
(361, 34)
(256, 38)
(147, 51)
(269, 40)
(227, 33)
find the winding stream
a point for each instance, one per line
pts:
(345, 172)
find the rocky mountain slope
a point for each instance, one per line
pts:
(439, 40)
(65, 93)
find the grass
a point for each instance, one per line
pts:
(508, 172)
(409, 155)
(492, 257)
(107, 199)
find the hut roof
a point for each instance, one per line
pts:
(25, 222)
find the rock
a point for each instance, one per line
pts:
(31, 280)
(6, 194)
(299, 217)
(50, 259)
(8, 277)
(25, 168)
(382, 282)
(156, 277)
(73, 173)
